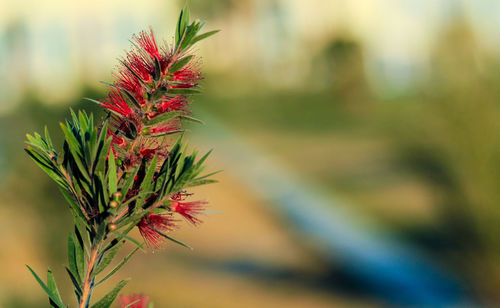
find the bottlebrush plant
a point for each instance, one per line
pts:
(128, 170)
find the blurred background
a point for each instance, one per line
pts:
(360, 142)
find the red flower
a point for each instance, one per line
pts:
(142, 67)
(143, 301)
(152, 222)
(148, 153)
(126, 80)
(172, 104)
(148, 43)
(115, 102)
(166, 127)
(187, 77)
(189, 210)
(117, 140)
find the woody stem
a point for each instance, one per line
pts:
(86, 284)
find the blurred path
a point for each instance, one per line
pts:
(392, 271)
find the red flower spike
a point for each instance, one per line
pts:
(143, 301)
(160, 222)
(172, 104)
(187, 77)
(142, 67)
(115, 102)
(117, 140)
(148, 43)
(189, 210)
(166, 128)
(148, 153)
(129, 82)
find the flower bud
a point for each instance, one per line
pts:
(113, 204)
(112, 227)
(117, 195)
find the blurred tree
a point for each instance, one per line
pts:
(339, 68)
(452, 138)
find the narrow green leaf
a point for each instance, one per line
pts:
(157, 72)
(47, 290)
(74, 206)
(47, 137)
(112, 177)
(128, 238)
(180, 64)
(75, 150)
(80, 259)
(131, 98)
(191, 31)
(147, 182)
(191, 119)
(107, 300)
(203, 36)
(132, 303)
(201, 182)
(116, 268)
(128, 182)
(107, 258)
(51, 284)
(76, 284)
(164, 117)
(72, 258)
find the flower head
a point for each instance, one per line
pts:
(127, 81)
(139, 66)
(186, 77)
(151, 224)
(147, 42)
(171, 104)
(141, 301)
(189, 210)
(166, 127)
(116, 102)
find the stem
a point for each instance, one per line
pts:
(86, 284)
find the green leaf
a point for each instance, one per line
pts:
(47, 290)
(164, 117)
(72, 259)
(76, 284)
(107, 258)
(182, 23)
(74, 148)
(107, 300)
(180, 64)
(128, 238)
(201, 182)
(203, 36)
(116, 268)
(131, 98)
(147, 182)
(191, 119)
(51, 284)
(80, 259)
(74, 206)
(191, 31)
(128, 182)
(132, 303)
(157, 72)
(112, 177)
